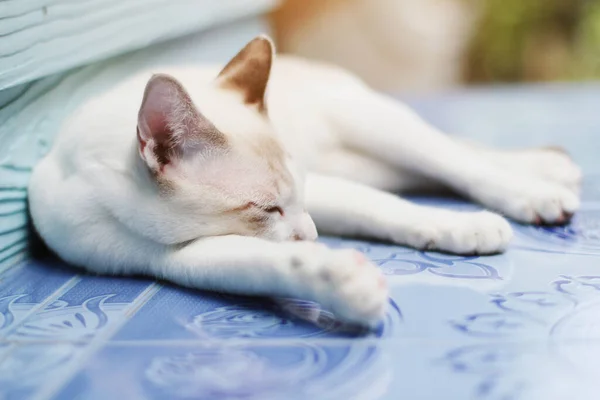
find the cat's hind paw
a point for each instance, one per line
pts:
(551, 164)
(540, 202)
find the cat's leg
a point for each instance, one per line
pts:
(343, 207)
(391, 132)
(363, 168)
(549, 163)
(343, 281)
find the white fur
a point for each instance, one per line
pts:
(95, 204)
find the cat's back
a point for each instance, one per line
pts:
(300, 94)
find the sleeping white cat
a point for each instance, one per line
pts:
(211, 190)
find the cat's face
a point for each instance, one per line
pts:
(215, 156)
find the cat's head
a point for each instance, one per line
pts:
(215, 157)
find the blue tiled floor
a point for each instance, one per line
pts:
(522, 325)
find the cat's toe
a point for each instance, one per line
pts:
(464, 233)
(482, 233)
(563, 219)
(424, 237)
(543, 203)
(493, 233)
(556, 149)
(358, 291)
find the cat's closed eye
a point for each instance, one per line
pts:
(266, 208)
(274, 209)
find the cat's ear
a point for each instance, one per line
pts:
(248, 72)
(169, 125)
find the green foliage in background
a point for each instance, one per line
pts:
(536, 40)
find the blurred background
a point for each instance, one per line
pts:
(430, 45)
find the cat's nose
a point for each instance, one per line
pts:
(298, 236)
(305, 230)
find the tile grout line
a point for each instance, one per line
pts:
(51, 298)
(97, 343)
(287, 341)
(8, 352)
(5, 268)
(531, 249)
(321, 342)
(18, 263)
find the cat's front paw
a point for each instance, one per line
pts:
(462, 233)
(345, 282)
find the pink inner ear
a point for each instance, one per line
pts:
(165, 101)
(156, 109)
(169, 125)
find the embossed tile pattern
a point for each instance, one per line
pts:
(522, 325)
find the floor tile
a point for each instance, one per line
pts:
(581, 236)
(93, 305)
(183, 314)
(346, 369)
(293, 371)
(26, 288)
(28, 370)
